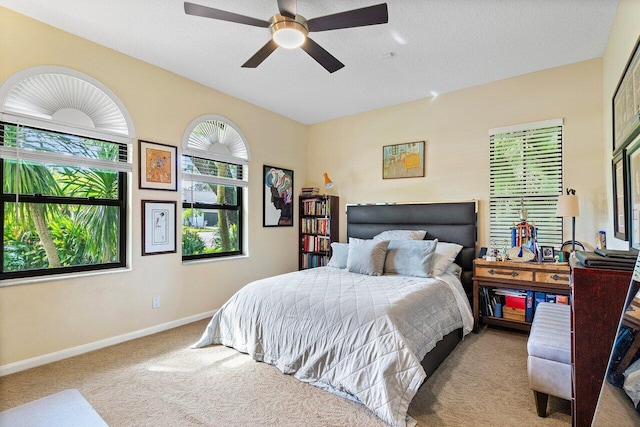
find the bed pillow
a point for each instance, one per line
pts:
(367, 256)
(401, 235)
(454, 269)
(445, 254)
(410, 257)
(339, 255)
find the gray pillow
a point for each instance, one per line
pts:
(401, 235)
(410, 257)
(339, 255)
(367, 256)
(445, 254)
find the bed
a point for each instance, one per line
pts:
(367, 337)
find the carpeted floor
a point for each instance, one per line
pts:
(158, 381)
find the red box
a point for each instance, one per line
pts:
(515, 301)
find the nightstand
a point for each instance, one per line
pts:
(524, 276)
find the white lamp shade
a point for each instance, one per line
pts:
(568, 206)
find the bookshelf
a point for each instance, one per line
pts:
(492, 276)
(319, 227)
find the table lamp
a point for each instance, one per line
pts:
(568, 206)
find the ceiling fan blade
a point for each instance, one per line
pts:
(209, 12)
(322, 57)
(370, 15)
(287, 8)
(261, 55)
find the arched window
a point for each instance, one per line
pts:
(214, 162)
(65, 158)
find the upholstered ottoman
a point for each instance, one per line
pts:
(549, 348)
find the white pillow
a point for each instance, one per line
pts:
(401, 235)
(339, 255)
(454, 269)
(445, 254)
(410, 257)
(367, 256)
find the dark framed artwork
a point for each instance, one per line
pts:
(619, 181)
(158, 227)
(547, 254)
(277, 210)
(632, 156)
(403, 160)
(626, 102)
(157, 166)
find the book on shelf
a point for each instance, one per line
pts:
(538, 298)
(551, 298)
(528, 310)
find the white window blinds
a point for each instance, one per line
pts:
(526, 167)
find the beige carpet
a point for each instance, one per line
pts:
(158, 381)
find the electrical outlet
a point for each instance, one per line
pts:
(155, 303)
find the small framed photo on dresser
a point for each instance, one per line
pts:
(547, 254)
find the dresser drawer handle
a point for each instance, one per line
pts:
(555, 277)
(513, 273)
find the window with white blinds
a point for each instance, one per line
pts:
(526, 168)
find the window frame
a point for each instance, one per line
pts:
(238, 207)
(542, 201)
(205, 139)
(120, 203)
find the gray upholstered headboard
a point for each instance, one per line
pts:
(453, 222)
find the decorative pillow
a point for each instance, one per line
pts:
(445, 254)
(454, 269)
(339, 255)
(401, 235)
(410, 257)
(367, 256)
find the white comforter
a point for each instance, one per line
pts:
(358, 336)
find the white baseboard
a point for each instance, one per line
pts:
(22, 365)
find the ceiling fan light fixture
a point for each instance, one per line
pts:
(288, 33)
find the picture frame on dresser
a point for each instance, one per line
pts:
(626, 102)
(619, 182)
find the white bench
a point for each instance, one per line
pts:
(549, 349)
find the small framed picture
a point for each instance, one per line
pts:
(158, 165)
(547, 254)
(561, 256)
(403, 160)
(158, 227)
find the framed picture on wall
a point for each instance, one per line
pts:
(158, 227)
(626, 102)
(158, 165)
(277, 210)
(403, 160)
(632, 155)
(619, 172)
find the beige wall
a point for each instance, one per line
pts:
(624, 34)
(455, 127)
(42, 318)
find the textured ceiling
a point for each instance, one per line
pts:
(428, 46)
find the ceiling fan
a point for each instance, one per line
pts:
(289, 30)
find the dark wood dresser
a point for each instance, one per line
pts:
(598, 298)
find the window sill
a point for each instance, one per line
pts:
(59, 277)
(215, 259)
